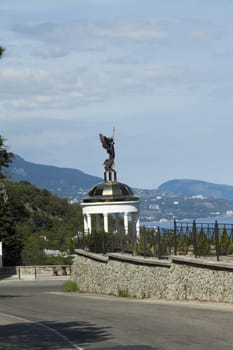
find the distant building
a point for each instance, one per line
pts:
(154, 206)
(51, 252)
(198, 196)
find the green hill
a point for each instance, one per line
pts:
(64, 182)
(197, 187)
(33, 220)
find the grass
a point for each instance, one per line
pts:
(70, 286)
(123, 293)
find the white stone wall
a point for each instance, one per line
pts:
(201, 284)
(178, 279)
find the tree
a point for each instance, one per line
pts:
(183, 244)
(32, 253)
(1, 51)
(41, 220)
(11, 239)
(5, 157)
(8, 235)
(203, 246)
(225, 242)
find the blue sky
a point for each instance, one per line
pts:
(159, 71)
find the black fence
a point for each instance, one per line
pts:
(185, 238)
(203, 239)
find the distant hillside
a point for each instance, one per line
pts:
(196, 187)
(63, 182)
(167, 202)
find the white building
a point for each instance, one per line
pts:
(111, 198)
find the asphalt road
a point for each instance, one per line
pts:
(36, 315)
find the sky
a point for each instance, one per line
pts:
(159, 72)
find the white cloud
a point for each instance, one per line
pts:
(209, 34)
(62, 39)
(73, 76)
(40, 89)
(156, 70)
(133, 32)
(36, 88)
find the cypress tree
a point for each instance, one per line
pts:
(225, 242)
(203, 246)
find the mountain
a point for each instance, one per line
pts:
(197, 187)
(173, 199)
(64, 182)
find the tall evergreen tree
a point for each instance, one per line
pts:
(1, 51)
(8, 236)
(203, 246)
(5, 157)
(225, 242)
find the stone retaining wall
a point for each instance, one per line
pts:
(180, 278)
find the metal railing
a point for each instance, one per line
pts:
(185, 238)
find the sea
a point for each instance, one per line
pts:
(228, 220)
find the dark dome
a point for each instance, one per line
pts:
(110, 192)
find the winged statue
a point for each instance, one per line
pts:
(108, 144)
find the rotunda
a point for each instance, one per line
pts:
(111, 198)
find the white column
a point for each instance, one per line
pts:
(0, 254)
(105, 222)
(85, 224)
(89, 223)
(138, 225)
(126, 223)
(134, 220)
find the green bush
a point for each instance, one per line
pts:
(70, 286)
(183, 245)
(225, 244)
(123, 293)
(143, 247)
(203, 245)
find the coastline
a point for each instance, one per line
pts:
(169, 224)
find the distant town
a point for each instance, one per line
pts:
(157, 206)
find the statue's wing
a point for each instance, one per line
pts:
(103, 141)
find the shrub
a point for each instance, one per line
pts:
(203, 246)
(183, 244)
(123, 293)
(70, 286)
(225, 242)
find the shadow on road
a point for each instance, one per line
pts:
(49, 335)
(130, 347)
(10, 296)
(7, 272)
